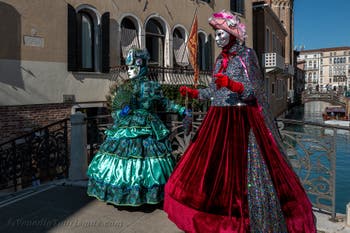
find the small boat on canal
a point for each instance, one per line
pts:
(335, 113)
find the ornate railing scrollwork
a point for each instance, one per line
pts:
(38, 156)
(311, 149)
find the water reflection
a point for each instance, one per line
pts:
(312, 112)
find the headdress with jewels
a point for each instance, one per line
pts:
(138, 57)
(230, 23)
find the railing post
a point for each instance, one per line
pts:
(78, 160)
(348, 214)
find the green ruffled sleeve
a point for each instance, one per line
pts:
(169, 105)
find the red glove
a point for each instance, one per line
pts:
(224, 81)
(192, 93)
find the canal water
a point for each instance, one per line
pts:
(312, 111)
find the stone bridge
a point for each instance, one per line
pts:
(330, 97)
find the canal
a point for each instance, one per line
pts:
(312, 111)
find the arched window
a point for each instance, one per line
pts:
(88, 40)
(155, 42)
(129, 38)
(201, 51)
(179, 47)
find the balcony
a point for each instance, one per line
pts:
(311, 68)
(273, 62)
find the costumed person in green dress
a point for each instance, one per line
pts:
(135, 161)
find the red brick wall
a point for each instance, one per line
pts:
(18, 120)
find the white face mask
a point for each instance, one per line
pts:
(133, 71)
(222, 38)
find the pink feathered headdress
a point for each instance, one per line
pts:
(230, 23)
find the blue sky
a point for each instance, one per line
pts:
(321, 23)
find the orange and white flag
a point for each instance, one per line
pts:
(192, 46)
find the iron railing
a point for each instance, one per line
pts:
(36, 157)
(311, 149)
(164, 75)
(96, 127)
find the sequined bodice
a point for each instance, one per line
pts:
(239, 67)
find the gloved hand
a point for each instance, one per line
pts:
(187, 113)
(192, 93)
(224, 81)
(125, 111)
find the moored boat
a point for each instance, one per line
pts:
(335, 113)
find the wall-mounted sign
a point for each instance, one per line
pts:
(33, 41)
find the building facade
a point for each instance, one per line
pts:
(299, 80)
(327, 69)
(270, 39)
(56, 56)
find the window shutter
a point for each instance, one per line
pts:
(105, 42)
(72, 39)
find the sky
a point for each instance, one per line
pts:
(321, 23)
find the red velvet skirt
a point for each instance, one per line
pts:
(207, 191)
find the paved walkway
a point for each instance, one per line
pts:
(64, 207)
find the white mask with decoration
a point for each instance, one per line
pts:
(133, 71)
(222, 38)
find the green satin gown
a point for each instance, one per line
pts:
(135, 161)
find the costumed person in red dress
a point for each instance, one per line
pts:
(235, 175)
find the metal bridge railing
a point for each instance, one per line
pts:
(39, 156)
(312, 151)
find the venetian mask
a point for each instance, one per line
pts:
(222, 38)
(133, 71)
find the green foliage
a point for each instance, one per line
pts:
(169, 91)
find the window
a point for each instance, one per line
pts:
(237, 6)
(201, 52)
(88, 41)
(179, 47)
(155, 42)
(129, 37)
(204, 51)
